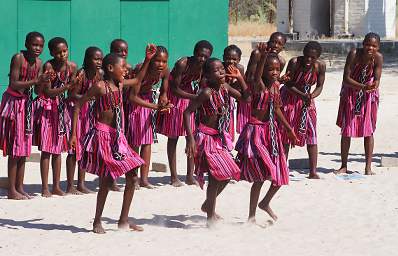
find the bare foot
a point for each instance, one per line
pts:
(342, 170)
(58, 192)
(268, 210)
(84, 190)
(176, 183)
(314, 176)
(369, 172)
(97, 228)
(147, 185)
(191, 181)
(15, 195)
(204, 209)
(73, 191)
(251, 220)
(46, 193)
(21, 191)
(129, 225)
(212, 222)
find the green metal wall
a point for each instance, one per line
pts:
(176, 24)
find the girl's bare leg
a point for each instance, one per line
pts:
(254, 195)
(56, 166)
(190, 180)
(12, 179)
(104, 184)
(369, 145)
(144, 170)
(70, 174)
(81, 182)
(129, 189)
(171, 155)
(344, 149)
(264, 204)
(313, 158)
(20, 177)
(44, 166)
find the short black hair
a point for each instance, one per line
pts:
(115, 42)
(278, 34)
(52, 44)
(161, 49)
(89, 53)
(110, 59)
(233, 47)
(271, 56)
(31, 35)
(203, 44)
(313, 45)
(206, 66)
(371, 35)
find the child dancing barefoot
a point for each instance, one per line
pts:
(260, 149)
(211, 145)
(105, 151)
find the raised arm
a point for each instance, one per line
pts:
(258, 75)
(175, 83)
(149, 53)
(252, 65)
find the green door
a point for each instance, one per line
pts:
(142, 22)
(50, 17)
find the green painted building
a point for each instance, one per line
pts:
(176, 24)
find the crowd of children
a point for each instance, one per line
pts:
(107, 114)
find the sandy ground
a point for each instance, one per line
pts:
(330, 216)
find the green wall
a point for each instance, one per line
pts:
(176, 24)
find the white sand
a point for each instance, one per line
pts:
(316, 217)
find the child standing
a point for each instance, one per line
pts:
(260, 148)
(86, 77)
(142, 110)
(105, 151)
(184, 84)
(210, 147)
(52, 114)
(298, 100)
(276, 43)
(232, 55)
(359, 99)
(16, 112)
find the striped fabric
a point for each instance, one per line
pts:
(171, 123)
(243, 115)
(139, 130)
(254, 154)
(212, 157)
(292, 108)
(13, 139)
(97, 155)
(364, 123)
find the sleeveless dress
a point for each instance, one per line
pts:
(260, 149)
(16, 111)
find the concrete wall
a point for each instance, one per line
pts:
(365, 16)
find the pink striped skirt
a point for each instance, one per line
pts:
(97, 155)
(243, 115)
(46, 125)
(171, 124)
(293, 110)
(13, 140)
(255, 158)
(211, 156)
(140, 129)
(357, 125)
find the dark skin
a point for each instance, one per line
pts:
(121, 49)
(92, 71)
(215, 79)
(114, 76)
(192, 65)
(306, 62)
(363, 55)
(59, 63)
(157, 69)
(267, 73)
(275, 45)
(16, 165)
